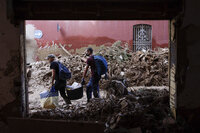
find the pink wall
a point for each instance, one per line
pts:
(81, 33)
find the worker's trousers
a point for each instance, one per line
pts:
(60, 86)
(93, 86)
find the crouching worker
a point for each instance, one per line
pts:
(98, 66)
(60, 83)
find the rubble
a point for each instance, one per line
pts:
(122, 107)
(149, 68)
(130, 113)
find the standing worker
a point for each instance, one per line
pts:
(60, 83)
(93, 85)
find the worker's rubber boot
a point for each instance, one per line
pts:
(96, 93)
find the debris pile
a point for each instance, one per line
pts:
(116, 52)
(147, 109)
(149, 68)
(142, 68)
(120, 105)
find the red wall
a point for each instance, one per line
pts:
(82, 33)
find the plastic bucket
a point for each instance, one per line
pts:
(75, 94)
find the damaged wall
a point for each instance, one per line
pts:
(31, 44)
(81, 33)
(10, 74)
(188, 63)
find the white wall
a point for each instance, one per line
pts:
(31, 44)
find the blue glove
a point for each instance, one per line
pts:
(83, 81)
(53, 89)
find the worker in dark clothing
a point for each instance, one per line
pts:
(93, 85)
(59, 85)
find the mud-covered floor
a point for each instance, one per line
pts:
(35, 104)
(143, 109)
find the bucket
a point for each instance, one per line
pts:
(75, 93)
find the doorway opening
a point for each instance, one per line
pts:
(137, 53)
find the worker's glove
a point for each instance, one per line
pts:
(83, 81)
(53, 89)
